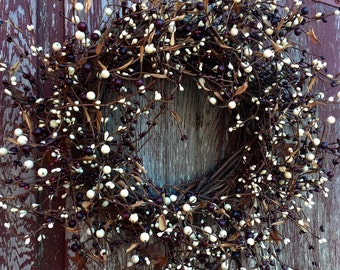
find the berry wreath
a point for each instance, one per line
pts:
(242, 55)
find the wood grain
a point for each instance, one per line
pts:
(14, 254)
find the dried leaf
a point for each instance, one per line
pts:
(126, 65)
(277, 223)
(79, 261)
(132, 247)
(137, 178)
(234, 237)
(71, 230)
(15, 67)
(265, 206)
(178, 18)
(104, 258)
(86, 205)
(141, 53)
(137, 204)
(248, 222)
(28, 121)
(176, 116)
(158, 76)
(172, 39)
(282, 21)
(99, 48)
(241, 89)
(220, 211)
(99, 116)
(313, 36)
(140, 167)
(102, 66)
(314, 104)
(226, 244)
(274, 235)
(311, 83)
(88, 5)
(160, 261)
(87, 158)
(121, 183)
(14, 25)
(12, 140)
(162, 223)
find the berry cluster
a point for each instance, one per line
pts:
(82, 138)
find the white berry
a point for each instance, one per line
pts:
(42, 172)
(107, 169)
(90, 95)
(135, 259)
(232, 105)
(90, 194)
(28, 164)
(56, 46)
(331, 120)
(108, 11)
(79, 6)
(124, 193)
(80, 35)
(22, 140)
(144, 237)
(133, 218)
(3, 151)
(100, 233)
(105, 149)
(187, 230)
(105, 74)
(18, 132)
(250, 241)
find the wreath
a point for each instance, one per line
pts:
(90, 179)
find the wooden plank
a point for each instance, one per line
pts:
(14, 254)
(325, 210)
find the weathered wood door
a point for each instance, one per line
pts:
(176, 160)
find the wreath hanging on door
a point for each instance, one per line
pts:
(245, 57)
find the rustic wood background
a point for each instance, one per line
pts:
(177, 161)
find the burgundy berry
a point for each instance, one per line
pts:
(159, 23)
(94, 37)
(82, 26)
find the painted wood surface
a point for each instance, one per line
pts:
(176, 161)
(14, 254)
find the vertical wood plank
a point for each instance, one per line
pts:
(325, 211)
(14, 254)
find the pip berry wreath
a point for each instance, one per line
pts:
(89, 177)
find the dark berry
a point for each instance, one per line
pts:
(275, 21)
(304, 10)
(297, 31)
(68, 81)
(200, 5)
(125, 215)
(323, 145)
(159, 23)
(82, 26)
(72, 223)
(75, 247)
(87, 67)
(70, 57)
(94, 37)
(80, 215)
(118, 82)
